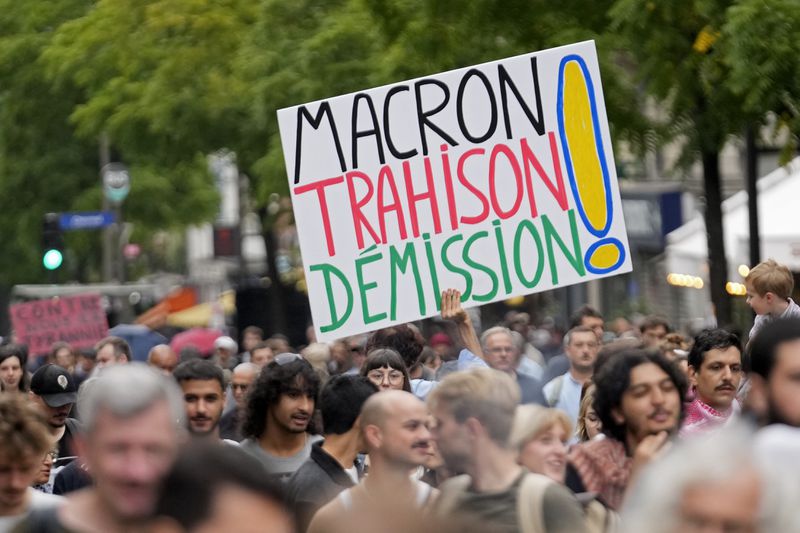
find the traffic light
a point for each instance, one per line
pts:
(52, 242)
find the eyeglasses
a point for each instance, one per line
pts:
(286, 358)
(394, 376)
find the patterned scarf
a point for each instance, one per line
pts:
(701, 417)
(604, 468)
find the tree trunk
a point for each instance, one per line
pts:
(717, 260)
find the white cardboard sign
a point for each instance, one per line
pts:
(497, 180)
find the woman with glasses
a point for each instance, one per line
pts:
(386, 369)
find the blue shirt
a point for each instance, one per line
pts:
(569, 399)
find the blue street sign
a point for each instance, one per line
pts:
(86, 220)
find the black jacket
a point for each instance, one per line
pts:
(319, 480)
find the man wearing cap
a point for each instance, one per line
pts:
(53, 391)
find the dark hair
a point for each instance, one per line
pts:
(583, 312)
(341, 400)
(273, 381)
(402, 339)
(709, 339)
(20, 351)
(201, 369)
(121, 347)
(57, 347)
(383, 357)
(763, 347)
(202, 469)
(254, 330)
(652, 322)
(260, 345)
(614, 377)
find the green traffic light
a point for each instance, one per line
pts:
(52, 259)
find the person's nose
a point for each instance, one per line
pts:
(657, 396)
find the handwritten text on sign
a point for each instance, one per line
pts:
(498, 180)
(78, 320)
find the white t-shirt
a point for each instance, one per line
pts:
(38, 500)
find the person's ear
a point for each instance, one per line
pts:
(373, 436)
(692, 374)
(617, 416)
(769, 297)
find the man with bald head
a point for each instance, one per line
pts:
(243, 376)
(394, 427)
(162, 358)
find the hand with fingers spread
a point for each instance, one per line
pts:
(452, 310)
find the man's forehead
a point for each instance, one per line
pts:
(788, 353)
(726, 353)
(647, 373)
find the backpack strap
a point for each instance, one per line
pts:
(555, 392)
(451, 492)
(529, 503)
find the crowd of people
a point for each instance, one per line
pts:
(501, 430)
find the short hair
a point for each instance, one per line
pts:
(121, 347)
(715, 457)
(577, 329)
(58, 346)
(23, 429)
(654, 321)
(126, 391)
(771, 276)
(710, 339)
(254, 330)
(274, 381)
(402, 339)
(200, 472)
(201, 369)
(383, 357)
(20, 351)
(530, 420)
(584, 312)
(762, 350)
(341, 400)
(488, 395)
(613, 378)
(675, 342)
(494, 331)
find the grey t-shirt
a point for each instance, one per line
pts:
(280, 468)
(561, 511)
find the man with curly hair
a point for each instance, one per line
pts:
(638, 398)
(278, 427)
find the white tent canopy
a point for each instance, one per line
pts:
(779, 225)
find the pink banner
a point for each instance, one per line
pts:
(79, 320)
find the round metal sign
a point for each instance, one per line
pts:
(116, 182)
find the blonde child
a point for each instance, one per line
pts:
(769, 287)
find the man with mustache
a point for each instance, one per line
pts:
(564, 392)
(394, 428)
(203, 386)
(715, 372)
(639, 400)
(278, 425)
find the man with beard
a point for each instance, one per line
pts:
(564, 392)
(132, 427)
(278, 426)
(715, 372)
(53, 391)
(638, 398)
(395, 432)
(203, 386)
(774, 360)
(473, 413)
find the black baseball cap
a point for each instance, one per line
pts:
(54, 385)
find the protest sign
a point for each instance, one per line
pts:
(79, 320)
(497, 180)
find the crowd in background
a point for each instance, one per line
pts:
(610, 426)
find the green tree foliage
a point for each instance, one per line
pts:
(763, 52)
(680, 60)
